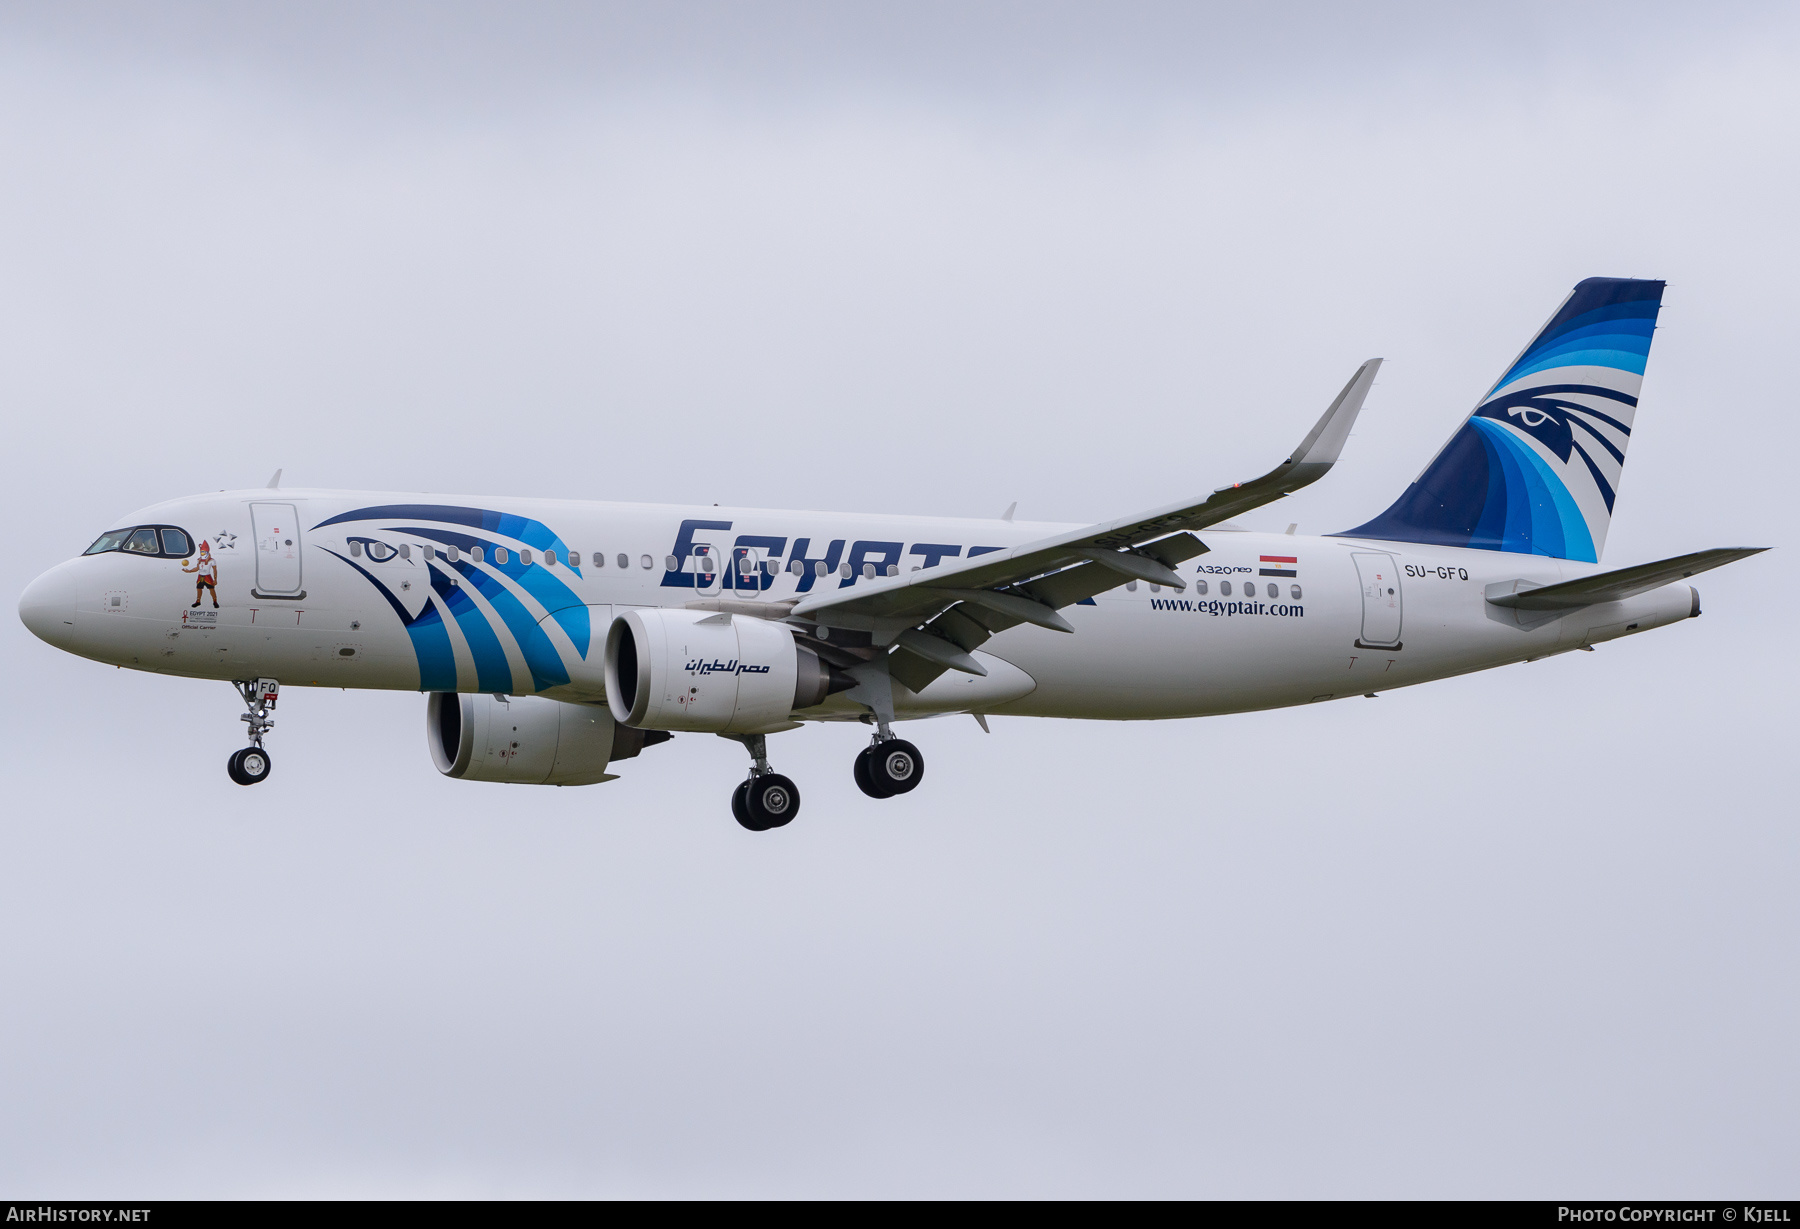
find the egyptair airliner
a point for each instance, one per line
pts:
(555, 639)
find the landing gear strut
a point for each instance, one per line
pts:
(766, 799)
(251, 765)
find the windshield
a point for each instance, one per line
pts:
(165, 541)
(112, 539)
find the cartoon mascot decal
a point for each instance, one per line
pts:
(206, 575)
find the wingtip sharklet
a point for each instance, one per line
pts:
(1325, 442)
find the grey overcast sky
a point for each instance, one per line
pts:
(1525, 933)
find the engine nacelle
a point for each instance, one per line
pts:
(715, 673)
(527, 740)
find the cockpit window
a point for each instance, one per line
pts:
(111, 540)
(157, 540)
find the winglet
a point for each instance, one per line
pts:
(1323, 444)
(275, 482)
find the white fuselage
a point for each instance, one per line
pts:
(1268, 620)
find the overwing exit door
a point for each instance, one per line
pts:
(746, 573)
(277, 531)
(1380, 578)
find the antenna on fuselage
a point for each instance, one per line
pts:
(1010, 509)
(275, 482)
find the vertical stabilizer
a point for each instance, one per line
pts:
(1536, 467)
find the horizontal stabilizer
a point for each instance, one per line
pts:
(1619, 585)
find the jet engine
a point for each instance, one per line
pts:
(527, 740)
(715, 673)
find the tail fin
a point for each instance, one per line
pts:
(1535, 468)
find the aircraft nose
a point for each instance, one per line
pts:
(47, 607)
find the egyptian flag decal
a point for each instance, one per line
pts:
(1279, 565)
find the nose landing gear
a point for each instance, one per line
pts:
(767, 799)
(251, 765)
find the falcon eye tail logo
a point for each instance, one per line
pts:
(1279, 565)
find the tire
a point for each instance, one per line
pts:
(740, 809)
(896, 767)
(772, 800)
(249, 766)
(865, 781)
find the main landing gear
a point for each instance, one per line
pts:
(251, 765)
(767, 799)
(888, 766)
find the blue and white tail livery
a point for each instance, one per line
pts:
(1536, 467)
(558, 639)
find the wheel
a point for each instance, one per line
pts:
(772, 801)
(249, 766)
(740, 810)
(896, 767)
(864, 781)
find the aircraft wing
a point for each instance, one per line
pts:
(1619, 585)
(938, 615)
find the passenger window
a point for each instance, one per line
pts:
(625, 562)
(525, 558)
(549, 558)
(406, 550)
(108, 541)
(1200, 588)
(648, 562)
(1156, 588)
(452, 554)
(356, 550)
(176, 543)
(1225, 588)
(1294, 592)
(142, 542)
(501, 555)
(819, 568)
(477, 554)
(1274, 589)
(1131, 586)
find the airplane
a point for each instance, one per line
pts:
(555, 639)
